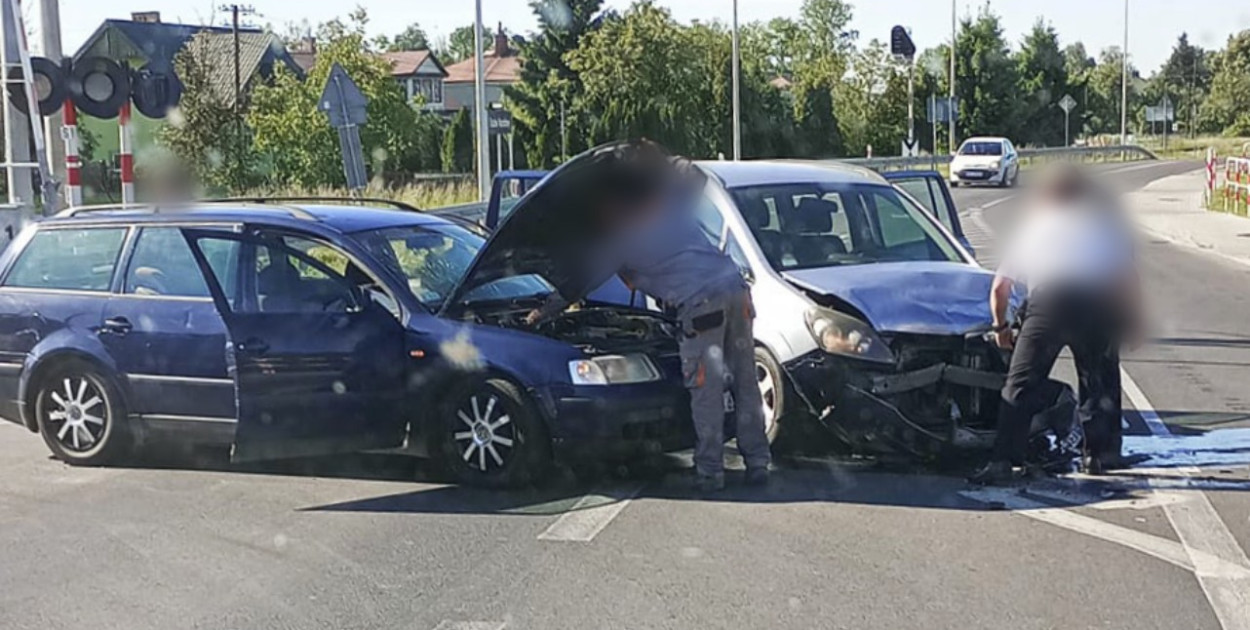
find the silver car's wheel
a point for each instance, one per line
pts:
(772, 391)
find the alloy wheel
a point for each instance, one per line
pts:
(488, 436)
(768, 395)
(77, 413)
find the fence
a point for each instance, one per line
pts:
(1236, 197)
(1027, 156)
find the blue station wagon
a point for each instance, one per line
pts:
(293, 329)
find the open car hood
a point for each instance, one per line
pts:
(548, 234)
(934, 298)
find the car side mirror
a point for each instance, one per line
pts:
(747, 275)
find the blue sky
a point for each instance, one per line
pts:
(1154, 24)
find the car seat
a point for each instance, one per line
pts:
(758, 217)
(278, 285)
(814, 241)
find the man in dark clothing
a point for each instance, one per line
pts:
(1074, 252)
(650, 237)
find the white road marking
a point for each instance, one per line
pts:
(590, 515)
(1151, 500)
(470, 625)
(1205, 537)
(1136, 167)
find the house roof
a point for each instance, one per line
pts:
(303, 58)
(407, 62)
(256, 50)
(505, 69)
(157, 43)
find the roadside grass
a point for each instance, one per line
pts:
(1182, 148)
(423, 195)
(1224, 201)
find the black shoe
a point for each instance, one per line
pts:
(1104, 463)
(756, 477)
(992, 474)
(709, 484)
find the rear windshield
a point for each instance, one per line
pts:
(981, 148)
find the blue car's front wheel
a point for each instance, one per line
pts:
(489, 434)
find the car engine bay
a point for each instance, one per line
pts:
(596, 329)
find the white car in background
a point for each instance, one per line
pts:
(987, 160)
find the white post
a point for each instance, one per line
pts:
(50, 34)
(951, 104)
(1124, 82)
(479, 105)
(737, 94)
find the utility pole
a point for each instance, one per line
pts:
(235, 11)
(50, 34)
(479, 108)
(737, 94)
(1124, 82)
(951, 108)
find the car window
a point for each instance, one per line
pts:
(162, 265)
(981, 147)
(512, 191)
(69, 259)
(734, 249)
(294, 280)
(927, 190)
(829, 224)
(711, 223)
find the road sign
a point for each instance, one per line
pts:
(941, 110)
(901, 44)
(342, 100)
(911, 147)
(347, 107)
(499, 122)
(1067, 103)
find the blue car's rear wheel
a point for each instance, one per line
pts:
(489, 434)
(80, 415)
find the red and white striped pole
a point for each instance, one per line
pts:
(126, 156)
(73, 165)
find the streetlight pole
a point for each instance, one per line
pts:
(737, 94)
(951, 104)
(1124, 82)
(479, 108)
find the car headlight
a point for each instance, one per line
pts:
(839, 333)
(613, 369)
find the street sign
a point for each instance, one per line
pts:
(1067, 103)
(901, 44)
(941, 110)
(342, 100)
(347, 108)
(911, 147)
(499, 122)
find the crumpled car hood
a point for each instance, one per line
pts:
(933, 298)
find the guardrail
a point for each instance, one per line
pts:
(1095, 154)
(475, 211)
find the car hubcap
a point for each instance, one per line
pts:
(77, 414)
(487, 436)
(768, 395)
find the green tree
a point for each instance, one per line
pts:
(296, 138)
(1187, 74)
(205, 134)
(820, 61)
(460, 44)
(457, 144)
(1079, 66)
(986, 77)
(411, 38)
(1227, 109)
(1105, 81)
(872, 102)
(541, 102)
(1043, 81)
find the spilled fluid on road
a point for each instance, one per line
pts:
(1220, 447)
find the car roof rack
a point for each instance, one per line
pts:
(356, 201)
(152, 208)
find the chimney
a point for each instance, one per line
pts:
(306, 44)
(501, 42)
(147, 17)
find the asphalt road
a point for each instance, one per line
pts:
(190, 542)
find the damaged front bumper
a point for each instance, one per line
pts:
(881, 411)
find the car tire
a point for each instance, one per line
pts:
(954, 184)
(81, 415)
(490, 434)
(772, 384)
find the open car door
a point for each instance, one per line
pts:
(318, 367)
(506, 190)
(930, 189)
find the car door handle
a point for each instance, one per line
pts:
(252, 346)
(117, 326)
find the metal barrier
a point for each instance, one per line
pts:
(1120, 152)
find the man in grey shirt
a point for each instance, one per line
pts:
(650, 237)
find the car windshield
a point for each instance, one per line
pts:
(801, 226)
(433, 258)
(981, 148)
